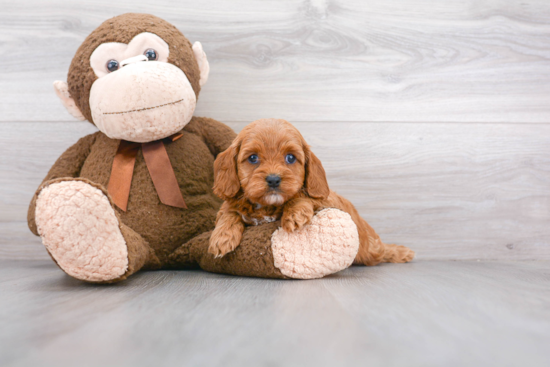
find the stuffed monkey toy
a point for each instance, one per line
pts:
(137, 194)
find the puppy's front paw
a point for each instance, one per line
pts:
(223, 243)
(294, 220)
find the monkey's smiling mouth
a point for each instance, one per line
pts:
(142, 109)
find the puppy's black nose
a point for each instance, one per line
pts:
(273, 181)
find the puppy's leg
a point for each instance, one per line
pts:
(228, 232)
(372, 250)
(297, 213)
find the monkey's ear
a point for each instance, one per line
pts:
(62, 91)
(203, 62)
(226, 179)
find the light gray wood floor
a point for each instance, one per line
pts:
(431, 117)
(425, 313)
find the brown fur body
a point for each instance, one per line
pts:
(158, 235)
(164, 228)
(303, 190)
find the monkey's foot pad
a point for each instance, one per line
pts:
(325, 246)
(79, 228)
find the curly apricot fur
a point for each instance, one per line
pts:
(303, 191)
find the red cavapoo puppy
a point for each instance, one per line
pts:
(269, 173)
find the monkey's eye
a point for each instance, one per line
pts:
(112, 65)
(253, 159)
(151, 54)
(290, 158)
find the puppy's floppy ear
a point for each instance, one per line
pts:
(226, 180)
(316, 184)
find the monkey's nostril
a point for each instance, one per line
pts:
(273, 181)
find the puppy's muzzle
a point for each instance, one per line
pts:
(273, 181)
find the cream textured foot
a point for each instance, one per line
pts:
(325, 246)
(79, 228)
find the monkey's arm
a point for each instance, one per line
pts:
(217, 136)
(67, 165)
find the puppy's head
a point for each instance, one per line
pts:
(269, 163)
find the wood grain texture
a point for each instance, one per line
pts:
(311, 60)
(449, 191)
(431, 117)
(418, 314)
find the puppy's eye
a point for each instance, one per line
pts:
(290, 158)
(151, 54)
(112, 65)
(253, 159)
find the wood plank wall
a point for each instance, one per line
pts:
(432, 117)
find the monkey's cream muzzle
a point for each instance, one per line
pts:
(142, 101)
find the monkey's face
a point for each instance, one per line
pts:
(138, 95)
(138, 89)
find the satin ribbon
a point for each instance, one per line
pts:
(159, 166)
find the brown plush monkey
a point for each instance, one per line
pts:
(138, 193)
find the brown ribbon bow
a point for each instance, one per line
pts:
(159, 166)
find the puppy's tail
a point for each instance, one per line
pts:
(397, 254)
(373, 251)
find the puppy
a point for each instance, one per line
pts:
(269, 173)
